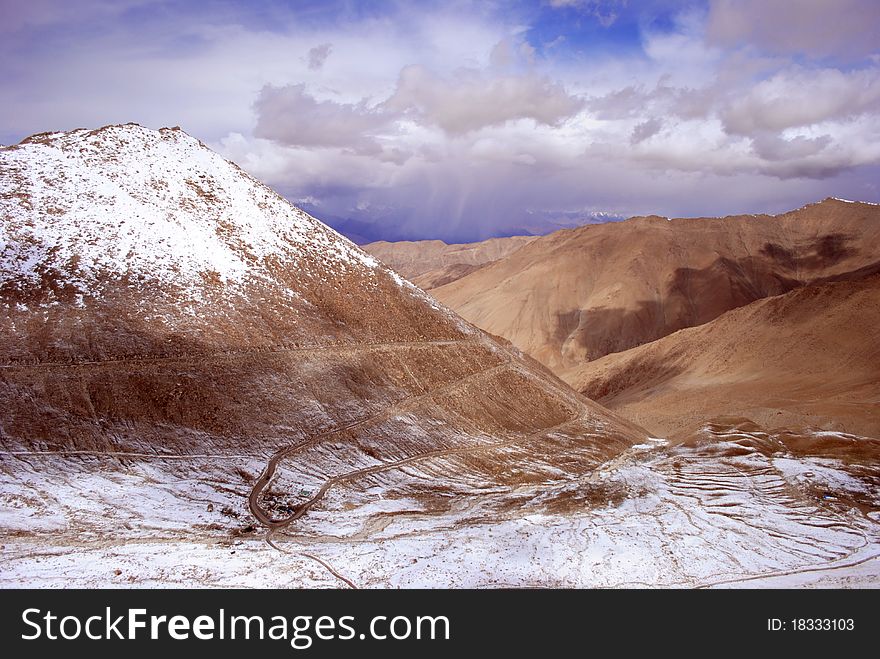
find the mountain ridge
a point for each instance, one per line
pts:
(808, 358)
(579, 294)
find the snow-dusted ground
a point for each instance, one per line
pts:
(655, 516)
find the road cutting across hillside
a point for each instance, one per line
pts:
(262, 482)
(336, 348)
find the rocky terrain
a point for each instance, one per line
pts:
(203, 385)
(162, 308)
(732, 506)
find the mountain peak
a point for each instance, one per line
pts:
(131, 129)
(162, 240)
(149, 205)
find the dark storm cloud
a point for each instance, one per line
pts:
(645, 130)
(770, 146)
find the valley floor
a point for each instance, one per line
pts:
(731, 509)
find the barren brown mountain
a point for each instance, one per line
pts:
(807, 359)
(158, 301)
(577, 295)
(432, 263)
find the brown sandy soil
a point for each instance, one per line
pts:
(807, 359)
(577, 295)
(445, 275)
(432, 263)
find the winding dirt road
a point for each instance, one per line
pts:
(396, 408)
(510, 363)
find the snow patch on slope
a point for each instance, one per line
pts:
(850, 201)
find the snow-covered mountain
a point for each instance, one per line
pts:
(161, 238)
(125, 245)
(155, 206)
(164, 314)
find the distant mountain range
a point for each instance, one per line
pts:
(432, 263)
(390, 229)
(588, 302)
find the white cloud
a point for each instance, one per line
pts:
(692, 128)
(451, 118)
(469, 99)
(817, 28)
(301, 171)
(800, 97)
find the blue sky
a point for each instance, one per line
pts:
(464, 119)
